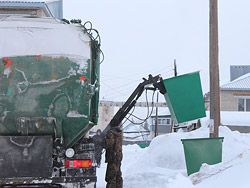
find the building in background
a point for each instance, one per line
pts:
(236, 121)
(106, 113)
(235, 95)
(164, 122)
(134, 132)
(164, 125)
(107, 110)
(237, 71)
(37, 8)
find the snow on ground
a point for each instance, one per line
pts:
(135, 132)
(162, 164)
(233, 118)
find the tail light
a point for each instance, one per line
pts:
(78, 163)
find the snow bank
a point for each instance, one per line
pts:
(42, 36)
(234, 173)
(233, 118)
(162, 164)
(167, 151)
(158, 165)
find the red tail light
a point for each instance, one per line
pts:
(78, 163)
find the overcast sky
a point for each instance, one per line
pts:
(141, 37)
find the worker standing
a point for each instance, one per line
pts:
(98, 148)
(113, 156)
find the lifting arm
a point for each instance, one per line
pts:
(131, 101)
(112, 140)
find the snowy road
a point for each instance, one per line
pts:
(101, 174)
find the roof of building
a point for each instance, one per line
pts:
(161, 112)
(241, 83)
(27, 1)
(51, 8)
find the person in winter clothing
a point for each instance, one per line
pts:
(98, 148)
(113, 146)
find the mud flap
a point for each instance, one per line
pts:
(25, 156)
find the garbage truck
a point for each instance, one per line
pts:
(49, 93)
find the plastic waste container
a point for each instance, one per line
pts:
(202, 150)
(143, 145)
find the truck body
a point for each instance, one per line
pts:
(49, 93)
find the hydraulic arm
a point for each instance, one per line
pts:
(156, 82)
(112, 134)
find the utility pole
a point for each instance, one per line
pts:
(156, 118)
(175, 74)
(175, 68)
(214, 69)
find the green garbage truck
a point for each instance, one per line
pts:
(49, 93)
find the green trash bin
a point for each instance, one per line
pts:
(202, 150)
(143, 145)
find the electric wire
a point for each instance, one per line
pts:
(125, 88)
(114, 94)
(146, 94)
(153, 71)
(128, 117)
(88, 28)
(148, 116)
(112, 88)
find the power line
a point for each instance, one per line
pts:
(114, 94)
(121, 91)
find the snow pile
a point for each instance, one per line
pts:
(162, 164)
(135, 132)
(233, 118)
(234, 173)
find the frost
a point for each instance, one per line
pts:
(75, 114)
(72, 72)
(4, 115)
(42, 181)
(27, 83)
(81, 61)
(7, 72)
(42, 36)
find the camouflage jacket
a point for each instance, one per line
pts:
(113, 146)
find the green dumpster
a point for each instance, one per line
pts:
(184, 93)
(202, 150)
(143, 145)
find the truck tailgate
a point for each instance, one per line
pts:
(25, 156)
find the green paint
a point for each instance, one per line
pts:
(43, 92)
(184, 97)
(143, 145)
(199, 151)
(22, 87)
(8, 93)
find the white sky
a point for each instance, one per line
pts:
(141, 37)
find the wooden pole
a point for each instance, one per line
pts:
(214, 69)
(175, 68)
(175, 74)
(156, 118)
